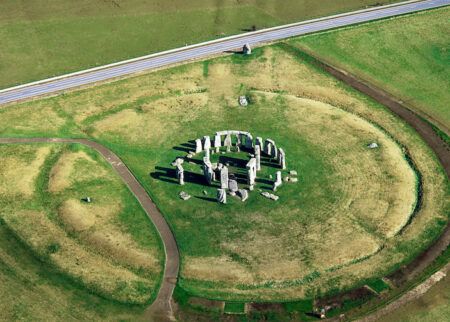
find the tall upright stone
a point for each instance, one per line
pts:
(198, 146)
(217, 142)
(270, 148)
(224, 177)
(278, 181)
(249, 141)
(180, 174)
(259, 141)
(251, 172)
(206, 142)
(228, 143)
(258, 157)
(221, 196)
(238, 142)
(208, 172)
(281, 158)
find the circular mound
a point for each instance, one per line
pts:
(351, 199)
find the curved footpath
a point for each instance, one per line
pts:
(161, 308)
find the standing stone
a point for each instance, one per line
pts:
(258, 157)
(282, 158)
(233, 186)
(206, 142)
(247, 50)
(221, 196)
(207, 154)
(217, 142)
(270, 148)
(244, 194)
(198, 146)
(208, 172)
(180, 174)
(251, 171)
(238, 143)
(249, 141)
(259, 141)
(278, 181)
(224, 178)
(227, 143)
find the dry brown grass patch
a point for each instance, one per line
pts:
(18, 176)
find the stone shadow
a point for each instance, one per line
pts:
(206, 199)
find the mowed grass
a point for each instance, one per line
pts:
(39, 40)
(407, 56)
(107, 250)
(352, 216)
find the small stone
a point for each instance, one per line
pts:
(251, 187)
(223, 152)
(251, 155)
(243, 101)
(184, 195)
(269, 195)
(205, 192)
(87, 199)
(177, 162)
(232, 193)
(286, 179)
(293, 173)
(372, 145)
(293, 180)
(270, 176)
(190, 155)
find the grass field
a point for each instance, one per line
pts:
(106, 252)
(351, 217)
(432, 306)
(43, 39)
(407, 56)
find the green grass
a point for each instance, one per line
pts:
(40, 40)
(378, 285)
(38, 266)
(234, 308)
(161, 124)
(407, 56)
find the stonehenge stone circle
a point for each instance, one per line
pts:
(233, 140)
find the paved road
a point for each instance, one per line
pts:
(206, 49)
(161, 309)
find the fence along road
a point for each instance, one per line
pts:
(145, 63)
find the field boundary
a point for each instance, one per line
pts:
(161, 308)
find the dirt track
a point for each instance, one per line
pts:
(161, 309)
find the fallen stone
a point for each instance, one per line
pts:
(184, 195)
(269, 195)
(243, 101)
(372, 145)
(244, 194)
(293, 173)
(293, 180)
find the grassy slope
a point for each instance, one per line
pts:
(40, 40)
(407, 56)
(143, 118)
(34, 272)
